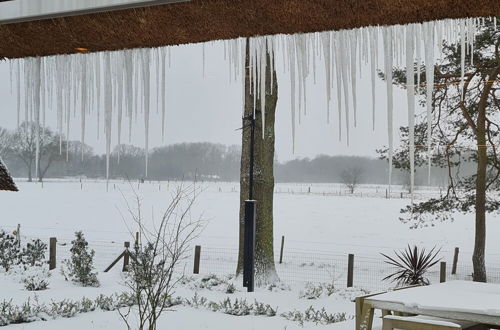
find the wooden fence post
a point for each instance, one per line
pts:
(197, 255)
(52, 253)
(350, 270)
(126, 257)
(455, 262)
(442, 272)
(281, 250)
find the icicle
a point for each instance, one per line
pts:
(373, 62)
(410, 94)
(325, 40)
(353, 47)
(35, 95)
(418, 39)
(429, 74)
(388, 51)
(338, 74)
(120, 77)
(291, 54)
(343, 56)
(462, 56)
(203, 57)
(145, 59)
(108, 109)
(163, 94)
(84, 82)
(18, 92)
(262, 72)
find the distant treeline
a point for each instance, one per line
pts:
(183, 161)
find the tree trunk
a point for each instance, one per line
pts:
(480, 239)
(30, 177)
(263, 184)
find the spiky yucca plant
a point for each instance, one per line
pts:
(412, 265)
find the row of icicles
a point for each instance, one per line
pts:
(118, 84)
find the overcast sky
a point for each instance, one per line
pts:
(209, 109)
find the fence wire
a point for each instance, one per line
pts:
(297, 267)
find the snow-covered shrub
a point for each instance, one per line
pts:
(315, 291)
(279, 286)
(196, 301)
(32, 310)
(80, 268)
(36, 278)
(230, 288)
(264, 309)
(317, 316)
(65, 308)
(212, 282)
(27, 312)
(33, 253)
(9, 250)
(239, 307)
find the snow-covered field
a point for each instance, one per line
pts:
(320, 223)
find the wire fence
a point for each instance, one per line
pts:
(297, 267)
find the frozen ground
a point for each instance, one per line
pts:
(320, 229)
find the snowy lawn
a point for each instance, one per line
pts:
(320, 229)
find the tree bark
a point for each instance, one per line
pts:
(478, 261)
(480, 235)
(263, 184)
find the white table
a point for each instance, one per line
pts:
(460, 300)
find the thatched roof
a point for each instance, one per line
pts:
(6, 182)
(204, 20)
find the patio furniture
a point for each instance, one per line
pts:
(391, 322)
(456, 300)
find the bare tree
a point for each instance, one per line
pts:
(351, 178)
(5, 142)
(157, 254)
(24, 147)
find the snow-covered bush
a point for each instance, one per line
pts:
(36, 278)
(80, 268)
(238, 307)
(279, 286)
(230, 288)
(317, 316)
(33, 253)
(315, 291)
(9, 250)
(32, 310)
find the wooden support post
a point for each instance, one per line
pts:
(115, 261)
(281, 250)
(18, 235)
(197, 255)
(442, 272)
(455, 262)
(126, 257)
(137, 238)
(350, 270)
(52, 253)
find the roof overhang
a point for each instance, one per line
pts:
(205, 20)
(16, 11)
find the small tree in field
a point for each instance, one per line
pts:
(80, 268)
(351, 178)
(153, 272)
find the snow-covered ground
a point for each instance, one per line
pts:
(320, 223)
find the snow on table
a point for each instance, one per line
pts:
(454, 296)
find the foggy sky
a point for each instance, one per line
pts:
(209, 109)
